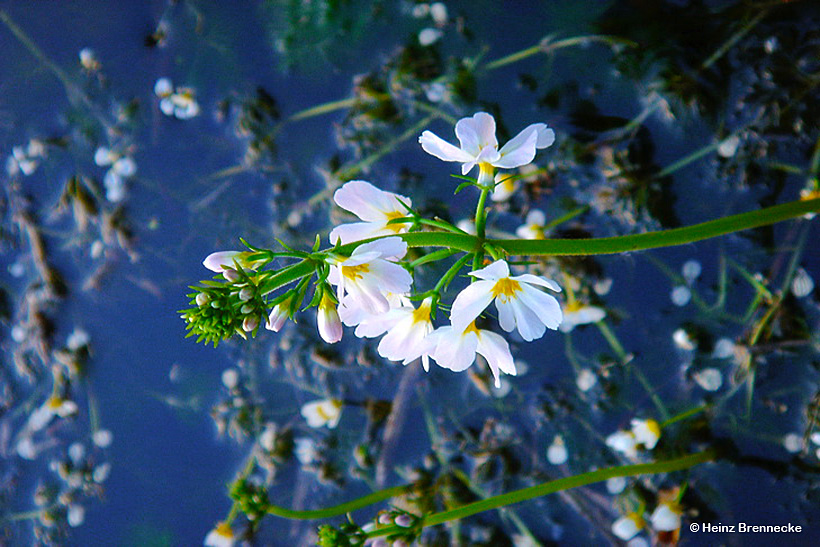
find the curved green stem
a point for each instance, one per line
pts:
(340, 509)
(558, 485)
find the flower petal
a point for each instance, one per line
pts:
(493, 272)
(469, 304)
(483, 126)
(538, 280)
(496, 351)
(530, 324)
(387, 248)
(455, 351)
(546, 307)
(506, 317)
(443, 150)
(368, 202)
(356, 231)
(520, 150)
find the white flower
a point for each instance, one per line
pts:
(25, 160)
(102, 438)
(586, 380)
(163, 88)
(646, 432)
(221, 536)
(793, 443)
(533, 227)
(680, 295)
(54, 406)
(327, 320)
(179, 102)
(375, 207)
(326, 412)
(75, 515)
(221, 261)
(479, 145)
(519, 304)
(557, 452)
(709, 379)
(438, 11)
(78, 339)
(578, 313)
(305, 450)
(429, 36)
(683, 340)
(615, 485)
(404, 341)
(366, 276)
(456, 349)
(88, 59)
(628, 526)
(666, 517)
(623, 442)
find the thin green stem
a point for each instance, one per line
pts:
(684, 415)
(559, 485)
(342, 508)
(480, 226)
(546, 45)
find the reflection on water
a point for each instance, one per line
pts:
(138, 139)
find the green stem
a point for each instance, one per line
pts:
(342, 508)
(555, 247)
(684, 415)
(559, 485)
(480, 226)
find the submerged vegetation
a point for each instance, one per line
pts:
(596, 322)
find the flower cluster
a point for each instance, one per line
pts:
(179, 102)
(365, 281)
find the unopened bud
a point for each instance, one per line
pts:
(250, 323)
(201, 299)
(231, 275)
(247, 308)
(245, 294)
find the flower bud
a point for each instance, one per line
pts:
(231, 275)
(250, 323)
(245, 294)
(201, 299)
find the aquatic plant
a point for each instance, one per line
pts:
(366, 280)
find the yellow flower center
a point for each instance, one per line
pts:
(506, 288)
(422, 313)
(471, 328)
(537, 230)
(574, 306)
(54, 402)
(355, 272)
(224, 530)
(654, 427)
(397, 226)
(320, 410)
(806, 194)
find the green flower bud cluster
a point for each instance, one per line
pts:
(230, 304)
(252, 499)
(347, 535)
